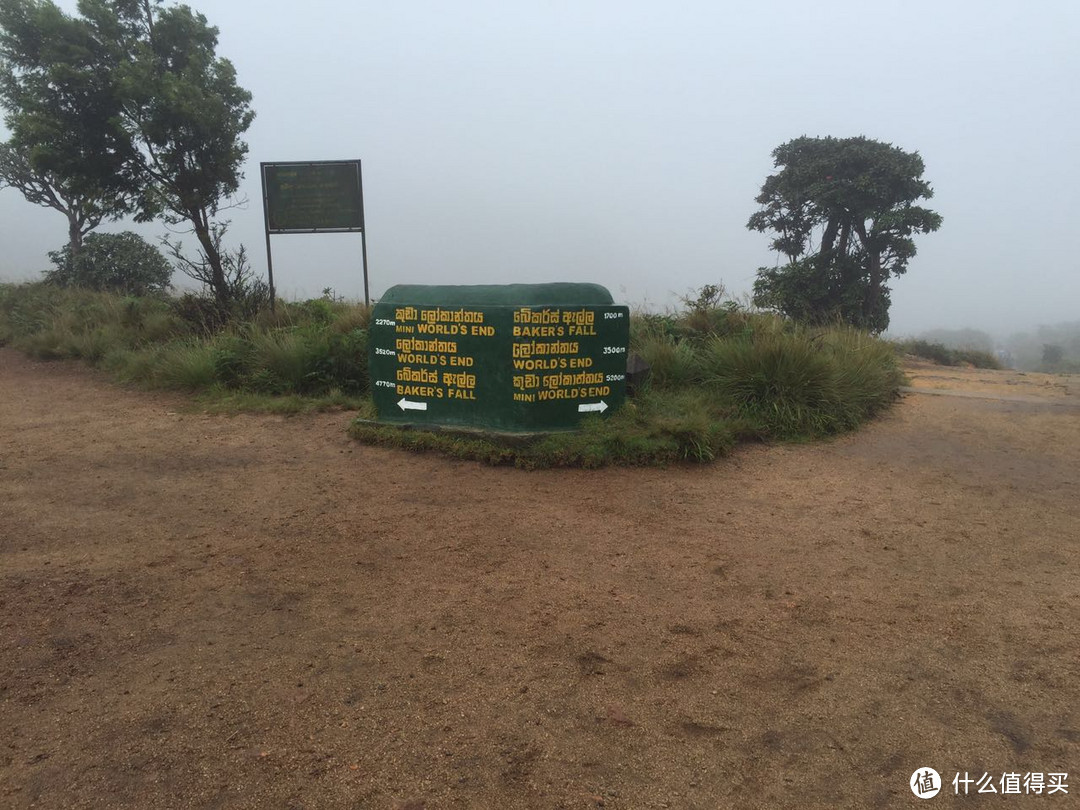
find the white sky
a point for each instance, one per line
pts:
(624, 142)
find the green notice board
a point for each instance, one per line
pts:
(313, 197)
(477, 360)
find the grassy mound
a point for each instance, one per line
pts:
(655, 428)
(720, 374)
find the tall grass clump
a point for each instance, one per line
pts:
(868, 372)
(186, 365)
(674, 363)
(53, 323)
(802, 383)
(282, 361)
(782, 382)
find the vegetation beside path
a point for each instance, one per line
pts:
(946, 355)
(720, 373)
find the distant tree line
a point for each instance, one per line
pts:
(1053, 348)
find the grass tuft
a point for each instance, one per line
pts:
(187, 365)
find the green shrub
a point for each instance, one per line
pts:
(351, 317)
(285, 360)
(313, 311)
(977, 358)
(233, 360)
(204, 314)
(345, 360)
(187, 365)
(150, 340)
(673, 363)
(136, 366)
(645, 325)
(53, 323)
(113, 262)
(782, 382)
(723, 321)
(804, 383)
(868, 376)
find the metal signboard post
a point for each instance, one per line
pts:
(323, 196)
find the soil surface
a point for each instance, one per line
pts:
(257, 612)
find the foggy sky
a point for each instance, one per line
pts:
(623, 143)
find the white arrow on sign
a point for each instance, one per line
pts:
(600, 406)
(409, 405)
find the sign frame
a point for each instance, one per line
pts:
(359, 226)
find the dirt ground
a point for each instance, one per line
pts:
(256, 612)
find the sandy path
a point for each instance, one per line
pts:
(204, 611)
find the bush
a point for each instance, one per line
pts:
(805, 383)
(165, 343)
(115, 262)
(248, 299)
(673, 363)
(51, 322)
(945, 356)
(187, 365)
(784, 383)
(868, 376)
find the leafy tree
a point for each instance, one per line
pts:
(126, 108)
(117, 262)
(843, 213)
(43, 187)
(185, 114)
(67, 149)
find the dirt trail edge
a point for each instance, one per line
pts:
(254, 612)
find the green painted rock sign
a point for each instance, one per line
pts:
(515, 357)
